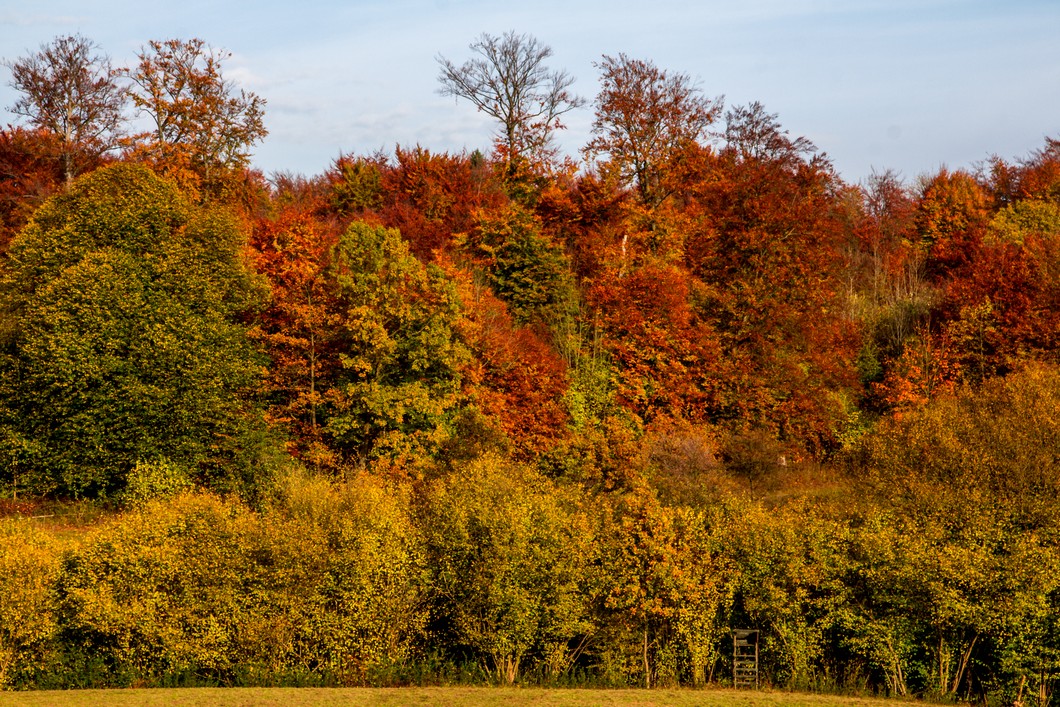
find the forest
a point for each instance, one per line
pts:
(515, 416)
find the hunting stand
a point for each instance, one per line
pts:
(745, 658)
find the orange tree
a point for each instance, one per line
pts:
(203, 127)
(73, 93)
(766, 245)
(644, 117)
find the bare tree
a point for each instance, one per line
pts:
(509, 81)
(70, 90)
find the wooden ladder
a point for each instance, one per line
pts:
(745, 658)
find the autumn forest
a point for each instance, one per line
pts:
(513, 415)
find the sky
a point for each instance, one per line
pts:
(908, 85)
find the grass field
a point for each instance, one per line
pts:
(469, 696)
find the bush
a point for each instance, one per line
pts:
(509, 555)
(324, 586)
(29, 565)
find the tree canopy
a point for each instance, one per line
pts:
(72, 91)
(510, 82)
(122, 339)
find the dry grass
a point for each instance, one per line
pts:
(462, 696)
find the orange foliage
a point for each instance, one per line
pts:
(30, 172)
(516, 378)
(299, 325)
(923, 370)
(428, 197)
(670, 363)
(950, 217)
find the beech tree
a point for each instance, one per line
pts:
(202, 123)
(122, 341)
(29, 175)
(644, 114)
(69, 89)
(509, 81)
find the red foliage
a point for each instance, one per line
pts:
(669, 362)
(1007, 304)
(584, 213)
(30, 171)
(768, 243)
(299, 326)
(428, 197)
(516, 378)
(951, 216)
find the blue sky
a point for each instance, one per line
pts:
(905, 84)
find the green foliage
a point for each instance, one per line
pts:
(971, 478)
(154, 480)
(1015, 222)
(122, 340)
(785, 585)
(524, 267)
(358, 188)
(357, 571)
(509, 555)
(400, 357)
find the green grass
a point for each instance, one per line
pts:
(462, 696)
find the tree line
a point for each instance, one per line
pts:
(548, 418)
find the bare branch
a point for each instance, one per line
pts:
(509, 81)
(71, 91)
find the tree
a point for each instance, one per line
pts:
(292, 250)
(524, 268)
(753, 134)
(29, 174)
(201, 123)
(767, 249)
(951, 217)
(644, 115)
(399, 356)
(510, 82)
(509, 553)
(969, 479)
(71, 91)
(122, 340)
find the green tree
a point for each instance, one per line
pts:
(400, 358)
(971, 475)
(122, 340)
(524, 267)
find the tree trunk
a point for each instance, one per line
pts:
(647, 665)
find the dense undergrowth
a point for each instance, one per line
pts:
(876, 579)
